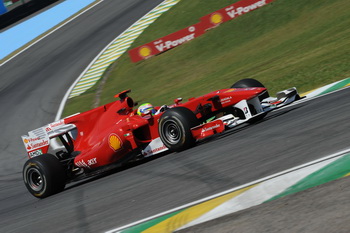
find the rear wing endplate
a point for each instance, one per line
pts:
(37, 141)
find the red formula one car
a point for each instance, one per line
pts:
(115, 134)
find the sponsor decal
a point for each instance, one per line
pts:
(154, 147)
(211, 128)
(53, 125)
(114, 142)
(226, 100)
(57, 123)
(245, 110)
(92, 161)
(34, 143)
(35, 153)
(154, 151)
(82, 163)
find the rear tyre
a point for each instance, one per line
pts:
(249, 82)
(44, 175)
(175, 128)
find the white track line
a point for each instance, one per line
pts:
(66, 96)
(338, 154)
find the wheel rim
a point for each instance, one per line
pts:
(35, 180)
(172, 132)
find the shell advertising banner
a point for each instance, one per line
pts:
(165, 43)
(232, 11)
(187, 34)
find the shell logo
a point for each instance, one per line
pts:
(114, 142)
(216, 18)
(26, 141)
(145, 51)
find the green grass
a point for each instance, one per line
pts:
(286, 43)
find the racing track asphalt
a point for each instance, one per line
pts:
(32, 86)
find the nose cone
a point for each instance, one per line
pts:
(248, 92)
(259, 90)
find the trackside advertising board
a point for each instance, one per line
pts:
(232, 11)
(187, 34)
(165, 43)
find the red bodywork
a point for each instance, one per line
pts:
(108, 133)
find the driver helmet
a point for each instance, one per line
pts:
(145, 109)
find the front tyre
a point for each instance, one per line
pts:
(175, 128)
(44, 175)
(250, 82)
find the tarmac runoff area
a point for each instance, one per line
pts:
(284, 202)
(322, 209)
(330, 170)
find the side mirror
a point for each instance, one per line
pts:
(177, 101)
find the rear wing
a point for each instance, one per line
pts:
(37, 141)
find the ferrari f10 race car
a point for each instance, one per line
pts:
(115, 134)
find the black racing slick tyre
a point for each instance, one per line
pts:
(175, 128)
(249, 82)
(44, 175)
